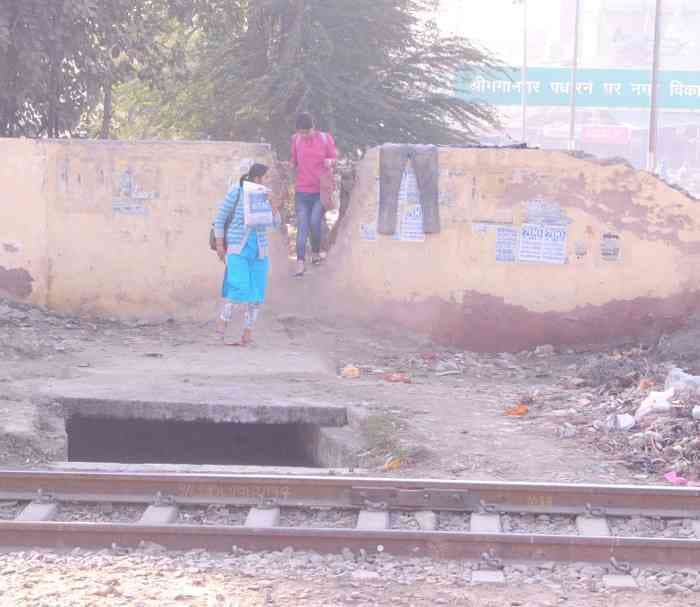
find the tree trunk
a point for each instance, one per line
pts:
(107, 112)
(51, 120)
(290, 35)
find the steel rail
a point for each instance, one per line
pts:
(434, 544)
(353, 492)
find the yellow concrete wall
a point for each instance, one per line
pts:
(23, 206)
(121, 228)
(452, 283)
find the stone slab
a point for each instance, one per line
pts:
(592, 526)
(485, 523)
(488, 577)
(620, 582)
(426, 519)
(370, 519)
(159, 515)
(332, 446)
(123, 399)
(263, 517)
(38, 512)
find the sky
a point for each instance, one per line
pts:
(498, 24)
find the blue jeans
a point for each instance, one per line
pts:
(393, 158)
(309, 216)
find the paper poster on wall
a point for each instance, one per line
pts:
(542, 243)
(545, 212)
(446, 199)
(610, 247)
(410, 227)
(129, 207)
(409, 187)
(410, 224)
(129, 198)
(368, 231)
(507, 244)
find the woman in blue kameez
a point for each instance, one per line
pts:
(245, 251)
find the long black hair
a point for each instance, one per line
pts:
(255, 171)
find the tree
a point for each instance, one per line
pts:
(371, 71)
(39, 66)
(175, 100)
(60, 59)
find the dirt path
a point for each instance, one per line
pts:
(448, 422)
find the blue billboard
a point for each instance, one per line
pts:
(595, 88)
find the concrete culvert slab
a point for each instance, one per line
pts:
(113, 422)
(234, 403)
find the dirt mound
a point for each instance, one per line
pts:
(683, 347)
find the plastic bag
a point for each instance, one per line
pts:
(257, 210)
(520, 410)
(350, 372)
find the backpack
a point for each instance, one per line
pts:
(212, 235)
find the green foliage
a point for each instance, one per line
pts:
(371, 71)
(60, 58)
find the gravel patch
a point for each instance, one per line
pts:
(9, 510)
(152, 576)
(543, 524)
(69, 512)
(318, 518)
(404, 521)
(640, 526)
(453, 521)
(212, 515)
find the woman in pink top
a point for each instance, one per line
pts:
(313, 152)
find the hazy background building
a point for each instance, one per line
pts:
(613, 35)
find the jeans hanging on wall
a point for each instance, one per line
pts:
(392, 163)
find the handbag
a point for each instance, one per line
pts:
(212, 234)
(329, 195)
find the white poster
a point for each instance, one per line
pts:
(410, 222)
(542, 243)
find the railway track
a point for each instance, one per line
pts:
(32, 502)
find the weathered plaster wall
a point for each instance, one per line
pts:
(121, 229)
(118, 228)
(23, 207)
(628, 265)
